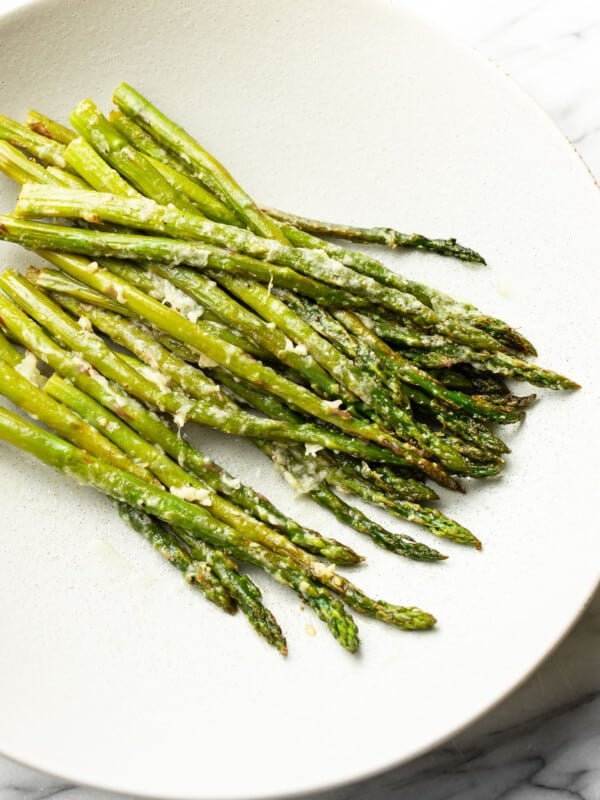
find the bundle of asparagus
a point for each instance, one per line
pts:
(352, 379)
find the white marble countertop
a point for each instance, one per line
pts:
(544, 740)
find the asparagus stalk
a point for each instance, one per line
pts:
(498, 363)
(209, 564)
(191, 519)
(407, 488)
(181, 328)
(206, 292)
(175, 169)
(196, 570)
(503, 333)
(171, 170)
(465, 427)
(395, 542)
(109, 363)
(50, 128)
(23, 170)
(433, 352)
(84, 159)
(142, 141)
(311, 475)
(139, 340)
(8, 353)
(41, 201)
(92, 168)
(356, 381)
(388, 237)
(75, 430)
(97, 243)
(31, 399)
(39, 146)
(234, 422)
(195, 521)
(61, 284)
(431, 519)
(447, 308)
(241, 588)
(185, 484)
(205, 166)
(403, 487)
(407, 372)
(20, 168)
(154, 430)
(93, 126)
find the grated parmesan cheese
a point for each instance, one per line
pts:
(193, 494)
(28, 369)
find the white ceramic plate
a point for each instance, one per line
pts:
(115, 674)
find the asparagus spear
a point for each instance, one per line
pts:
(245, 592)
(433, 520)
(8, 353)
(312, 474)
(109, 363)
(499, 363)
(20, 168)
(41, 201)
(146, 215)
(385, 480)
(24, 170)
(39, 146)
(31, 399)
(407, 372)
(173, 170)
(211, 172)
(82, 157)
(194, 521)
(174, 476)
(49, 127)
(197, 570)
(151, 428)
(388, 237)
(75, 430)
(175, 371)
(503, 333)
(447, 308)
(177, 325)
(142, 141)
(206, 292)
(439, 352)
(96, 243)
(395, 542)
(93, 126)
(112, 447)
(467, 428)
(506, 336)
(185, 484)
(61, 284)
(342, 369)
(202, 411)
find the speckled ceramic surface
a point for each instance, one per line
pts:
(114, 674)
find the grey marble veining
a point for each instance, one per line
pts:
(542, 742)
(550, 47)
